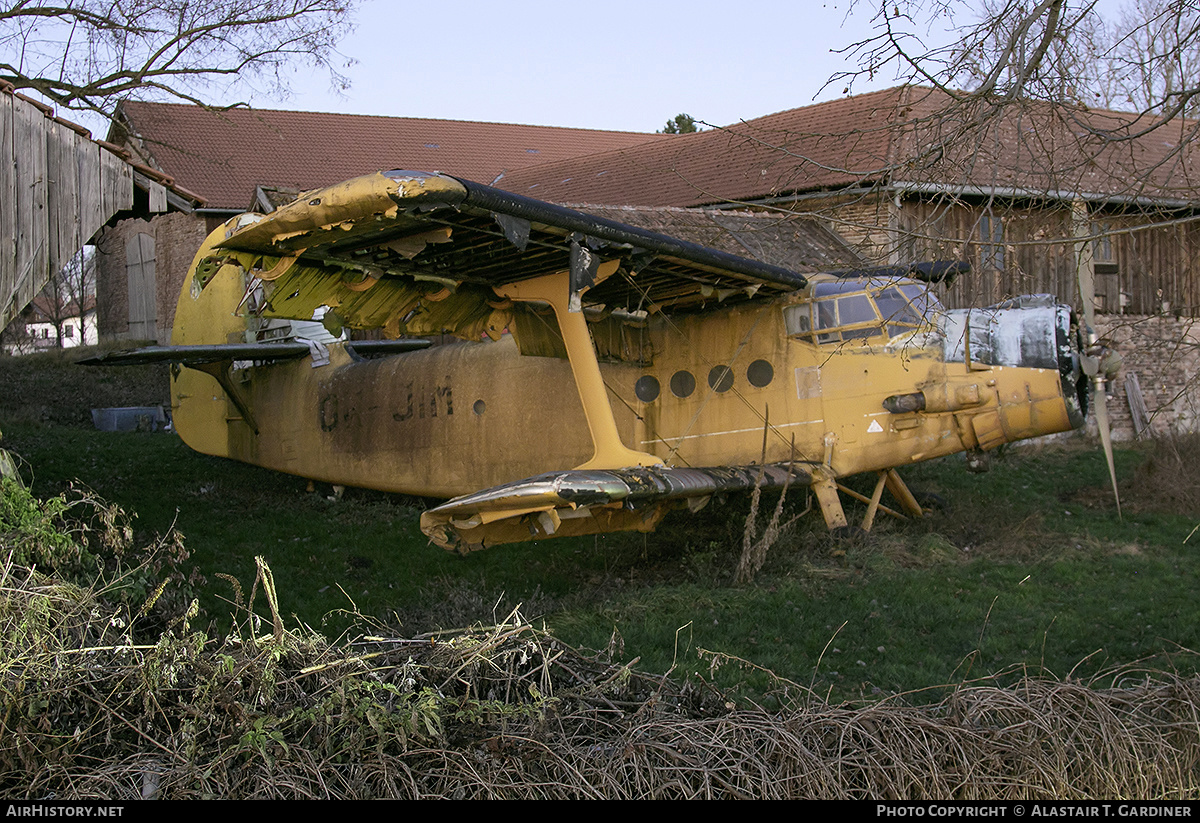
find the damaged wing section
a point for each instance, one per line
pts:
(418, 253)
(577, 502)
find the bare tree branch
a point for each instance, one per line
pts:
(87, 54)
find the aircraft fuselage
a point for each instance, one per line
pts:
(695, 390)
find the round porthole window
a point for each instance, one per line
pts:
(760, 373)
(646, 388)
(720, 379)
(683, 384)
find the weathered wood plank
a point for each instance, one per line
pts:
(140, 252)
(116, 185)
(1137, 405)
(57, 189)
(8, 220)
(158, 198)
(62, 201)
(32, 227)
(90, 213)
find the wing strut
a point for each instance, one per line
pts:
(560, 290)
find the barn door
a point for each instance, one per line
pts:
(139, 268)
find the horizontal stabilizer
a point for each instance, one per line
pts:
(579, 502)
(201, 355)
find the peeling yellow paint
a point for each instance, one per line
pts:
(730, 386)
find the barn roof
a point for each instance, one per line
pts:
(907, 137)
(224, 155)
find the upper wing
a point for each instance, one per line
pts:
(419, 253)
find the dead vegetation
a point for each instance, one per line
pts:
(507, 711)
(98, 698)
(1169, 479)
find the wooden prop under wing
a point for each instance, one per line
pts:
(571, 503)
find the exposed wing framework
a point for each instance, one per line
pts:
(421, 253)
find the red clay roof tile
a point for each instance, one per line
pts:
(885, 137)
(224, 156)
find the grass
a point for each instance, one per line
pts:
(1026, 567)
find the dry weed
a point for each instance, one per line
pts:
(1169, 480)
(507, 711)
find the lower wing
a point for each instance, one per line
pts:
(576, 502)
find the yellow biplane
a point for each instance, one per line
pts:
(603, 374)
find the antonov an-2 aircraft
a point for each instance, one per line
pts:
(603, 375)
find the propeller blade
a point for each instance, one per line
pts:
(1106, 437)
(1090, 359)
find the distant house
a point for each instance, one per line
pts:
(234, 161)
(49, 325)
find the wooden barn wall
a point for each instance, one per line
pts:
(57, 188)
(1143, 267)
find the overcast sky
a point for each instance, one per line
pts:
(616, 64)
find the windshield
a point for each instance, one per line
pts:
(855, 309)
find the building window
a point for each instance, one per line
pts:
(1102, 244)
(991, 235)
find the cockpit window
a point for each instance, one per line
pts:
(855, 309)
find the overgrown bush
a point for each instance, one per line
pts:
(80, 539)
(1169, 479)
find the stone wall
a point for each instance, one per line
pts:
(176, 236)
(1164, 352)
(865, 223)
